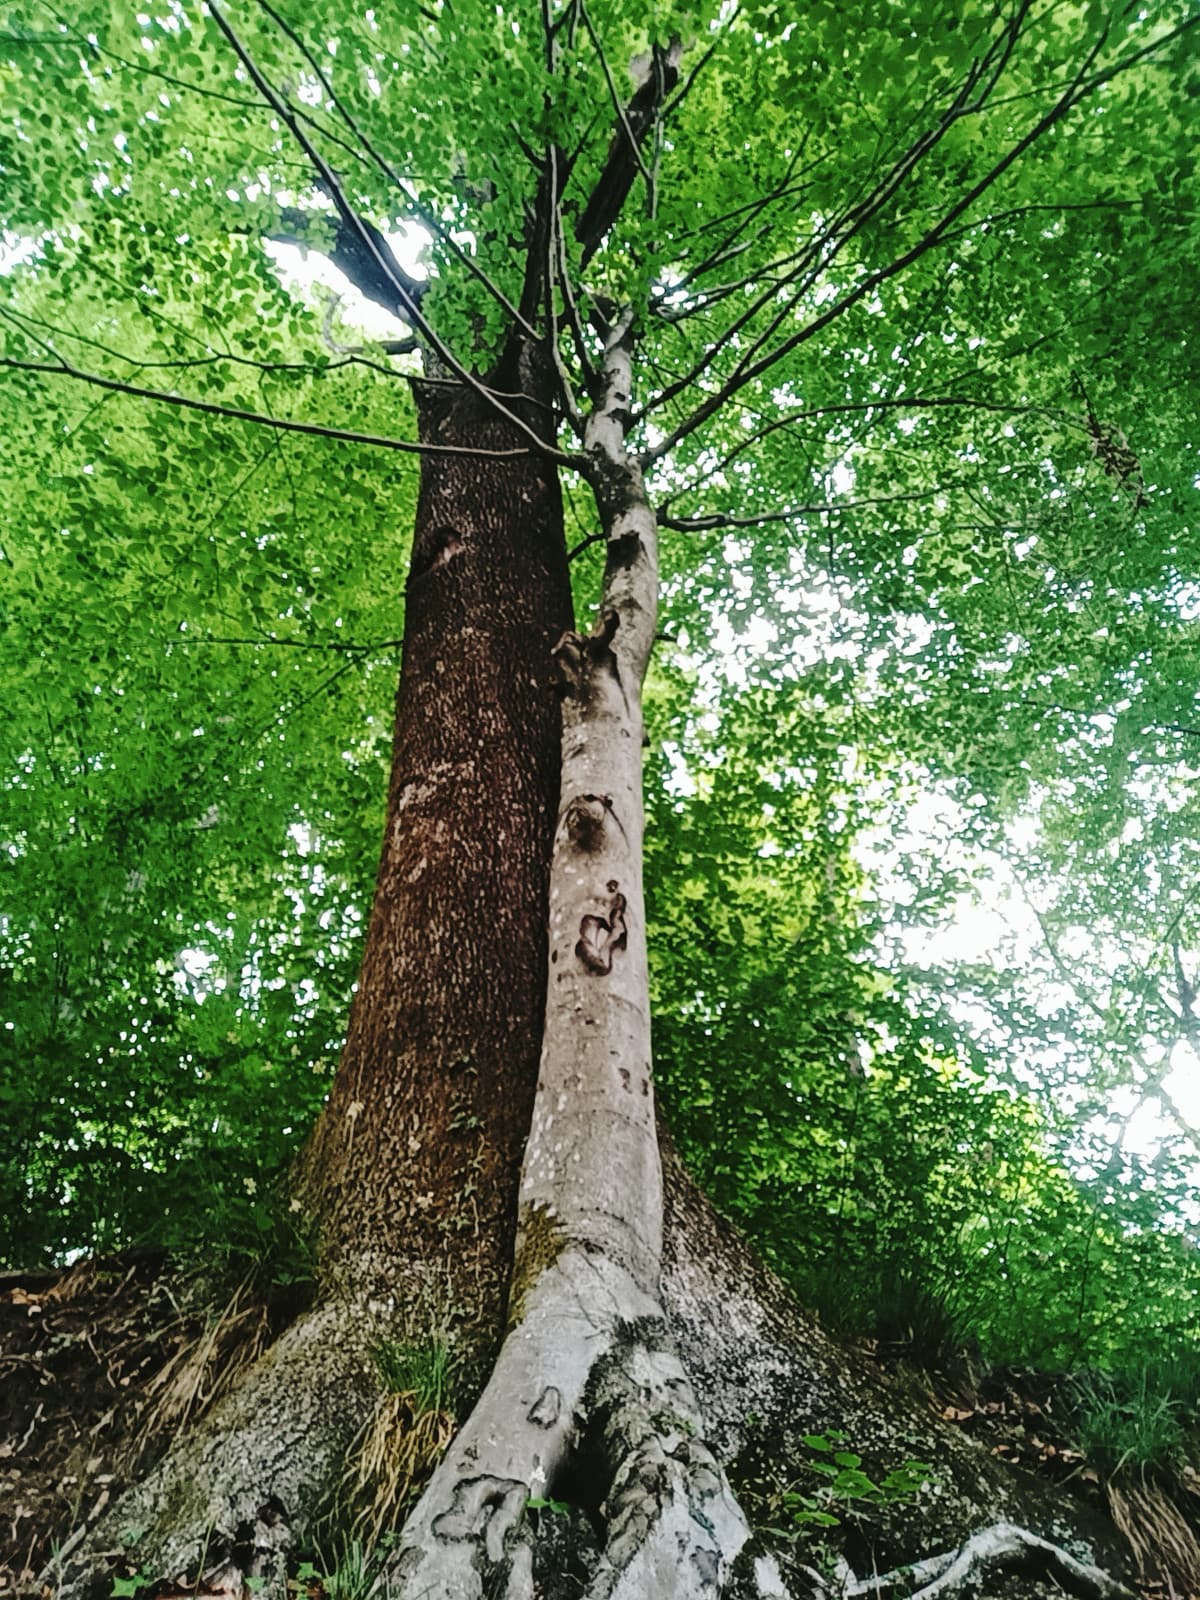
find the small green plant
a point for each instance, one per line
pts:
(538, 1503)
(126, 1588)
(846, 1486)
(1129, 1424)
(237, 1221)
(412, 1424)
(424, 1371)
(349, 1573)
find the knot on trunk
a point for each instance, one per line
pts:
(576, 653)
(485, 1509)
(585, 820)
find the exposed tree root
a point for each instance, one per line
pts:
(233, 1493)
(1002, 1547)
(588, 1403)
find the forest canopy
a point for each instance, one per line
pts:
(928, 636)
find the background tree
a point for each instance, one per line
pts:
(763, 299)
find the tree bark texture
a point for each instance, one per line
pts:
(621, 1311)
(588, 1397)
(234, 1492)
(413, 1165)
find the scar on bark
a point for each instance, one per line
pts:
(575, 651)
(586, 817)
(599, 937)
(443, 546)
(485, 1509)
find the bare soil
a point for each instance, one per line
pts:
(99, 1364)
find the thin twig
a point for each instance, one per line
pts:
(586, 544)
(749, 368)
(294, 644)
(237, 414)
(553, 229)
(706, 524)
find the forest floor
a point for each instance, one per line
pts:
(101, 1362)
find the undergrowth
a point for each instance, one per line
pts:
(1139, 1422)
(413, 1422)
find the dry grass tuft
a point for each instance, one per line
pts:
(398, 1450)
(207, 1367)
(404, 1440)
(1165, 1546)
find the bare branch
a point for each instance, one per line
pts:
(624, 160)
(290, 710)
(586, 544)
(868, 407)
(349, 357)
(689, 82)
(64, 369)
(553, 229)
(824, 248)
(294, 644)
(352, 258)
(721, 519)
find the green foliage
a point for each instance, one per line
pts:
(349, 1572)
(1138, 1422)
(958, 661)
(425, 1373)
(843, 1487)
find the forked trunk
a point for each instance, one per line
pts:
(586, 1454)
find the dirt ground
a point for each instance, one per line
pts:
(102, 1362)
(99, 1365)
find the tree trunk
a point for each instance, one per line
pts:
(622, 1308)
(588, 1398)
(412, 1166)
(412, 1169)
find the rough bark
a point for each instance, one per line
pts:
(591, 1402)
(228, 1500)
(769, 1375)
(588, 1397)
(412, 1166)
(411, 1171)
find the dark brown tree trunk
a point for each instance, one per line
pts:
(412, 1170)
(413, 1166)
